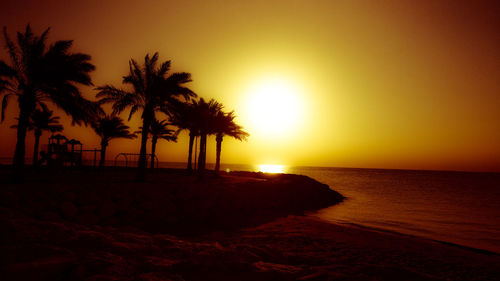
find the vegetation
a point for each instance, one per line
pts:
(42, 120)
(183, 115)
(110, 127)
(159, 130)
(38, 73)
(152, 90)
(226, 126)
(205, 113)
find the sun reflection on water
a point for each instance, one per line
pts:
(268, 168)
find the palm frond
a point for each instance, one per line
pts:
(42, 120)
(6, 75)
(12, 49)
(111, 127)
(5, 102)
(133, 110)
(164, 68)
(59, 47)
(69, 99)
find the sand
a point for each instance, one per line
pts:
(101, 225)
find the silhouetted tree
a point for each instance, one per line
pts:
(159, 130)
(225, 126)
(110, 127)
(42, 120)
(152, 90)
(206, 113)
(183, 115)
(39, 73)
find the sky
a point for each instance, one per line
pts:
(378, 84)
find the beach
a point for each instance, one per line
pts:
(102, 225)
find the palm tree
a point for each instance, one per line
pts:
(225, 126)
(159, 130)
(41, 120)
(110, 127)
(39, 73)
(152, 90)
(183, 115)
(205, 118)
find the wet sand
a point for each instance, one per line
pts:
(100, 225)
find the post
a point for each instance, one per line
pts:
(195, 152)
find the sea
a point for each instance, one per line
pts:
(454, 207)
(461, 208)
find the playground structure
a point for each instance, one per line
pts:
(133, 158)
(61, 152)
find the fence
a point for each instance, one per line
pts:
(132, 160)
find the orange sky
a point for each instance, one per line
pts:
(386, 84)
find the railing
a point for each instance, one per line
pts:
(90, 152)
(133, 158)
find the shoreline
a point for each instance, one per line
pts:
(311, 213)
(275, 242)
(394, 232)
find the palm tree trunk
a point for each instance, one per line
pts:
(218, 139)
(190, 153)
(195, 157)
(26, 107)
(38, 133)
(202, 156)
(153, 150)
(72, 154)
(141, 167)
(103, 154)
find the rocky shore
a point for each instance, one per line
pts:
(101, 225)
(170, 201)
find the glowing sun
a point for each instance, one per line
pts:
(267, 168)
(273, 107)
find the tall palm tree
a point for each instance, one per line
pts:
(159, 130)
(110, 127)
(206, 113)
(39, 73)
(226, 126)
(42, 120)
(152, 90)
(183, 115)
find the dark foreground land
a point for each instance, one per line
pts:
(101, 225)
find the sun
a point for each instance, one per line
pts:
(268, 168)
(273, 107)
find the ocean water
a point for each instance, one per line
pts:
(456, 207)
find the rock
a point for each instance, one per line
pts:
(50, 216)
(9, 199)
(49, 268)
(274, 267)
(69, 196)
(134, 212)
(107, 210)
(68, 210)
(88, 218)
(124, 202)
